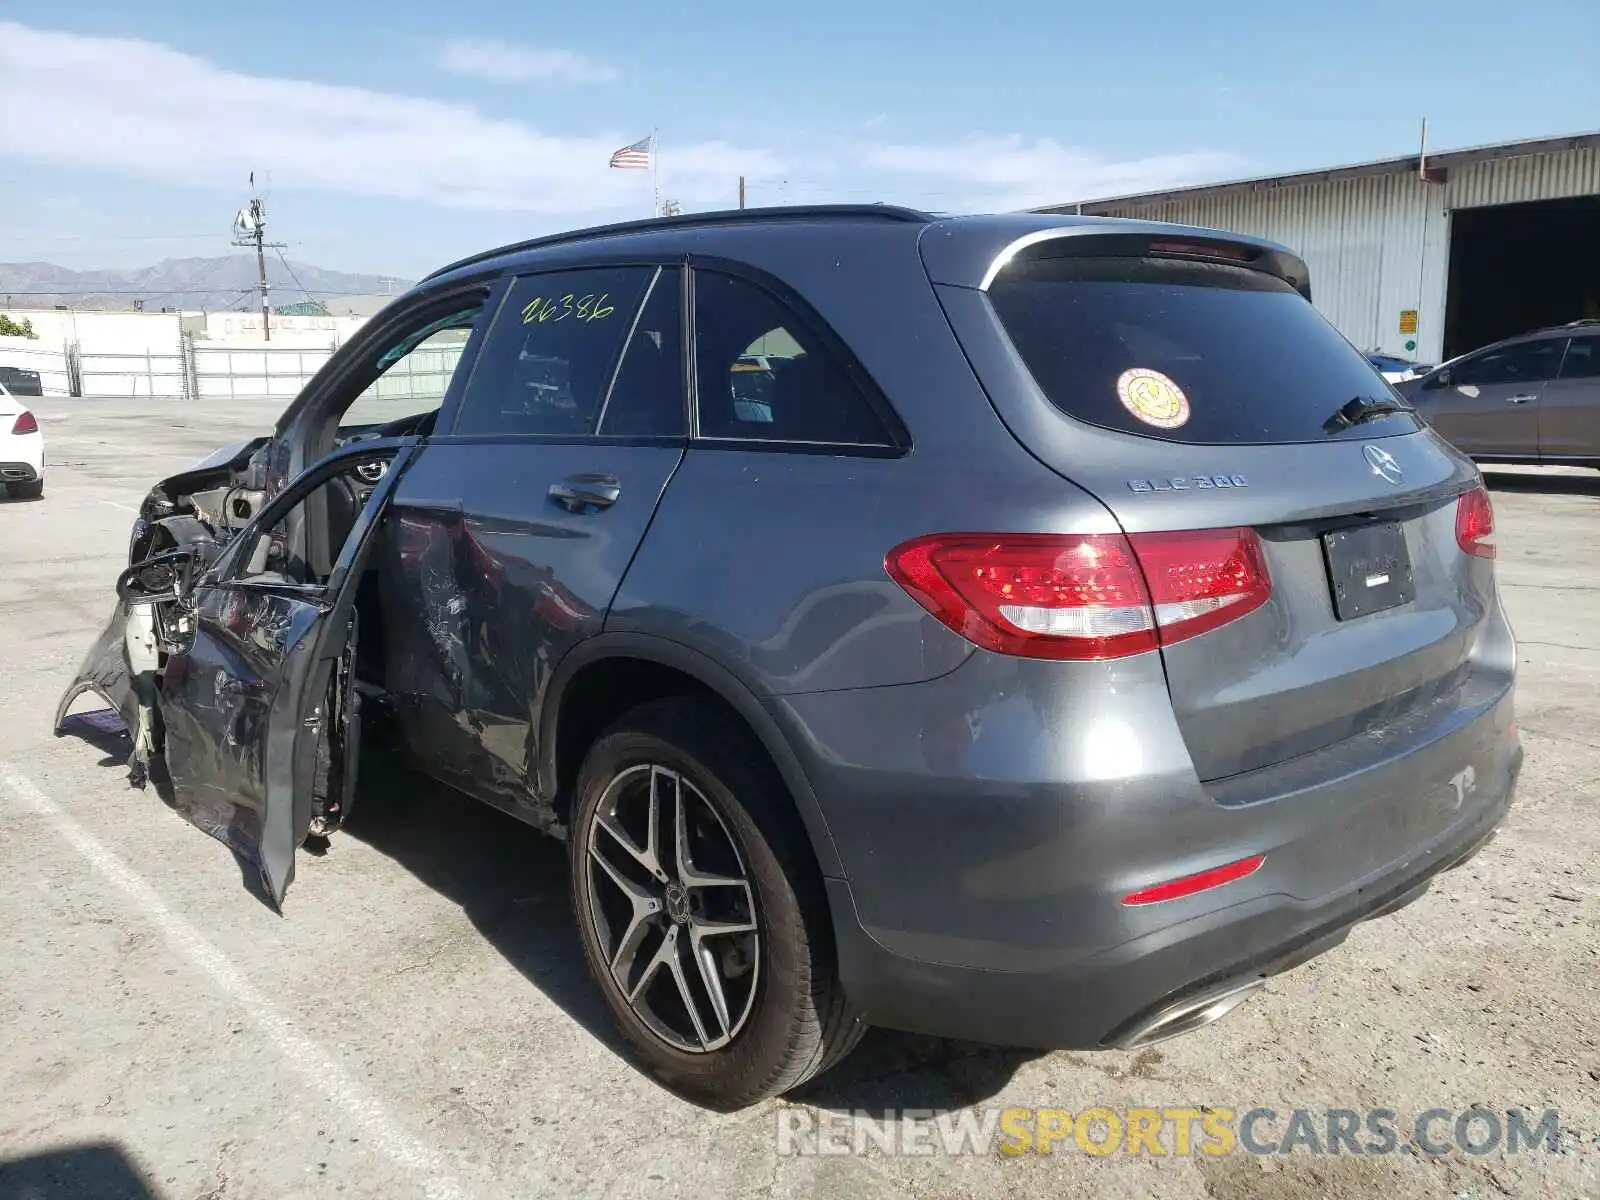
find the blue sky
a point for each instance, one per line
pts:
(396, 135)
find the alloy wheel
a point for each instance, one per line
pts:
(672, 908)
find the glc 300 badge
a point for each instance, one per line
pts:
(1188, 483)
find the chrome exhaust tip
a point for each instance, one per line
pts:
(1187, 1015)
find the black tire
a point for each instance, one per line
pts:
(799, 1022)
(27, 491)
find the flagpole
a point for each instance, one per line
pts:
(655, 177)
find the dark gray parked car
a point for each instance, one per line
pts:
(1534, 398)
(1033, 663)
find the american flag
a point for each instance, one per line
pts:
(635, 157)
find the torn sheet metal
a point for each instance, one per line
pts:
(121, 669)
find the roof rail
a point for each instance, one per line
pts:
(734, 216)
(1582, 321)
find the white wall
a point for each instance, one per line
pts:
(103, 332)
(49, 326)
(119, 353)
(233, 326)
(226, 370)
(142, 354)
(232, 359)
(130, 354)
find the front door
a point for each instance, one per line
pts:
(1488, 404)
(516, 525)
(249, 695)
(1569, 407)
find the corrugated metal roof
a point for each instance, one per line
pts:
(1442, 159)
(1543, 177)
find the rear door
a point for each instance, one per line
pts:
(251, 652)
(1143, 379)
(1569, 406)
(516, 525)
(1488, 403)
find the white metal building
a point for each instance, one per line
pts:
(1423, 258)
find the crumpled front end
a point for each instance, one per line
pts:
(203, 507)
(121, 669)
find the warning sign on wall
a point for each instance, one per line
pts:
(1408, 320)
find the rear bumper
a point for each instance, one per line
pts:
(1113, 998)
(982, 890)
(19, 472)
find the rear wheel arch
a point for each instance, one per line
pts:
(608, 674)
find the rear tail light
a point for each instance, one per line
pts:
(1083, 596)
(25, 423)
(1475, 523)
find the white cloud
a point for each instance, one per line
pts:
(1015, 172)
(135, 108)
(503, 62)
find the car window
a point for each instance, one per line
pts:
(263, 553)
(1184, 351)
(1583, 359)
(647, 398)
(761, 375)
(551, 354)
(20, 382)
(414, 372)
(1524, 362)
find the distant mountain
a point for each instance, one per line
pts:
(212, 283)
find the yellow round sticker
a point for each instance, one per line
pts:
(1153, 398)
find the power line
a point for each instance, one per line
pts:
(293, 276)
(206, 296)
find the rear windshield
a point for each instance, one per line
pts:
(1187, 351)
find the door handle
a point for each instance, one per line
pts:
(1518, 399)
(586, 491)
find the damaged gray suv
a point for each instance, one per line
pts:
(950, 624)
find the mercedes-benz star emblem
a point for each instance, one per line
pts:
(1383, 464)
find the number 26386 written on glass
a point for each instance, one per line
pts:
(558, 308)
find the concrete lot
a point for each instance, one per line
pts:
(420, 1024)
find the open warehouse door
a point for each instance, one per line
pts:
(1517, 267)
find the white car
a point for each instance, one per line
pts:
(21, 449)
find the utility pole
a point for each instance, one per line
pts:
(1424, 172)
(250, 229)
(741, 191)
